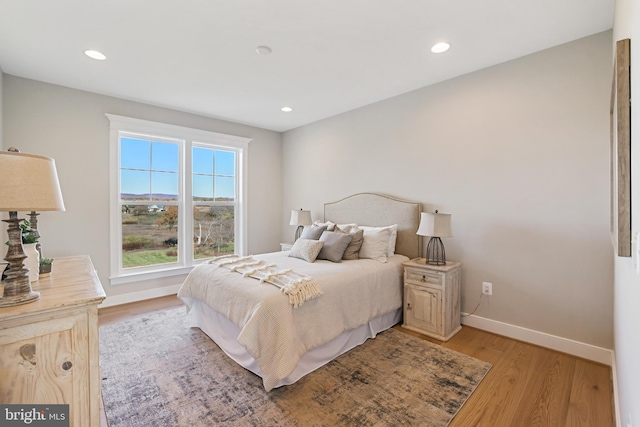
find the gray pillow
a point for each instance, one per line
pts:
(312, 232)
(306, 249)
(353, 250)
(334, 245)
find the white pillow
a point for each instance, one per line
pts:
(375, 243)
(306, 249)
(391, 246)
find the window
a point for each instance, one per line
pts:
(214, 194)
(176, 197)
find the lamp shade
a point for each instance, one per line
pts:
(29, 183)
(300, 217)
(435, 225)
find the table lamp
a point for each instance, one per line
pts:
(300, 218)
(436, 225)
(27, 183)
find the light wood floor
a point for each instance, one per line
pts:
(527, 385)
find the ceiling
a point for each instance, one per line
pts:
(328, 56)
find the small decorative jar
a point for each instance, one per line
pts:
(33, 261)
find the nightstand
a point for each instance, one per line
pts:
(285, 246)
(432, 298)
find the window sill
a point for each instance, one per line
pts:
(149, 275)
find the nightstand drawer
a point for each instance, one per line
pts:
(422, 277)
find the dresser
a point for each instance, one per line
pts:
(49, 348)
(432, 298)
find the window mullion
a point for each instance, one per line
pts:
(187, 198)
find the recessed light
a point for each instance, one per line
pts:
(94, 54)
(263, 50)
(440, 47)
(287, 109)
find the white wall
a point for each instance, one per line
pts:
(3, 234)
(1, 79)
(518, 154)
(70, 126)
(627, 282)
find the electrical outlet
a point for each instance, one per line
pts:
(487, 288)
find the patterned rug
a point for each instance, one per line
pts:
(159, 372)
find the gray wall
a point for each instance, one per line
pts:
(518, 154)
(70, 126)
(627, 281)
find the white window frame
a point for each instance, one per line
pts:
(186, 138)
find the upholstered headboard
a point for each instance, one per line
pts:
(380, 210)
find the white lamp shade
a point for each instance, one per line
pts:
(435, 225)
(300, 217)
(29, 183)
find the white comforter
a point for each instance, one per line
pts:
(275, 333)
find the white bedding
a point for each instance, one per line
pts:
(275, 333)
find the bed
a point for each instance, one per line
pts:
(255, 325)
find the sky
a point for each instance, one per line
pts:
(148, 166)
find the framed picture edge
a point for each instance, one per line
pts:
(621, 150)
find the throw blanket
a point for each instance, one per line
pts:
(297, 287)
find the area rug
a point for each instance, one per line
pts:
(157, 371)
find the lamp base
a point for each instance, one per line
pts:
(299, 231)
(17, 287)
(435, 252)
(19, 299)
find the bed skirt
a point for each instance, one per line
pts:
(225, 333)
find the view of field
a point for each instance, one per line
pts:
(150, 233)
(150, 190)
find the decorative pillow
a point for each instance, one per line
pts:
(312, 232)
(375, 243)
(330, 225)
(354, 246)
(306, 249)
(347, 228)
(334, 245)
(391, 247)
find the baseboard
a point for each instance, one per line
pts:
(575, 348)
(139, 296)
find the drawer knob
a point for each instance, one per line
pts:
(408, 306)
(424, 278)
(67, 365)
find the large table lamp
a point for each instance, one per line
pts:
(300, 218)
(435, 225)
(28, 183)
